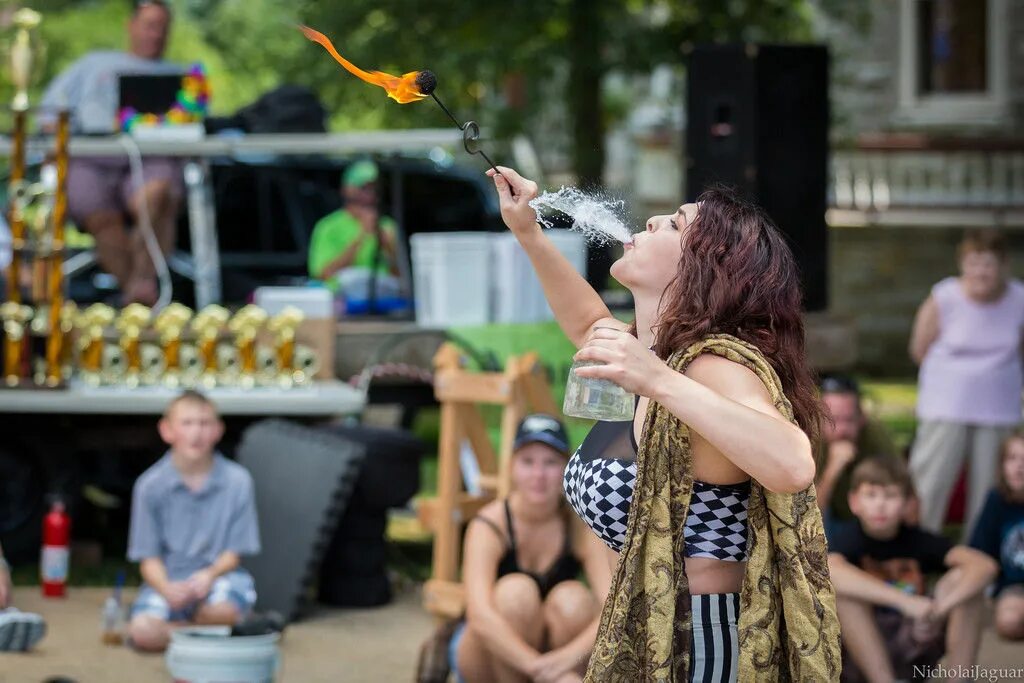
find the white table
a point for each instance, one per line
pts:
(328, 398)
(204, 268)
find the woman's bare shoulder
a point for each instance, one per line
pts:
(714, 370)
(494, 512)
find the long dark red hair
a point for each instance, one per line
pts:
(737, 276)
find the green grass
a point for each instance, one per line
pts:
(103, 574)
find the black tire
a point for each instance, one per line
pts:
(346, 591)
(355, 558)
(22, 500)
(361, 525)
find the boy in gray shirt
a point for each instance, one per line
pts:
(193, 517)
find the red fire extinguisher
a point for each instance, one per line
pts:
(53, 566)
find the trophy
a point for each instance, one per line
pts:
(228, 364)
(62, 348)
(207, 325)
(39, 331)
(60, 315)
(305, 366)
(15, 316)
(190, 365)
(92, 322)
(152, 364)
(284, 325)
(36, 214)
(169, 324)
(245, 325)
(21, 72)
(131, 323)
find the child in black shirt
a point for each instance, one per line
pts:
(1000, 533)
(879, 567)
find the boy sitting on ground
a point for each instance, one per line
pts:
(19, 631)
(890, 625)
(193, 517)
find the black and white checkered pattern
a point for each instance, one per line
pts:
(600, 491)
(716, 524)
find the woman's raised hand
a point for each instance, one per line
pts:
(514, 195)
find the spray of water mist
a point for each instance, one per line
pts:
(597, 217)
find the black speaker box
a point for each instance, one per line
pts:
(757, 119)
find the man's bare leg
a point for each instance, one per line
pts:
(112, 244)
(162, 205)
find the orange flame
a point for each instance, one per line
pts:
(401, 89)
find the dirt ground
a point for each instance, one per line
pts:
(358, 646)
(368, 645)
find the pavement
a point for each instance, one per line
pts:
(377, 645)
(330, 645)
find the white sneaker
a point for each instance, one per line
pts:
(20, 631)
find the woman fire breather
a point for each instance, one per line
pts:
(721, 569)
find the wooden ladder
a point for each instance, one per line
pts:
(522, 388)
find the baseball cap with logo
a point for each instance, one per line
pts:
(543, 429)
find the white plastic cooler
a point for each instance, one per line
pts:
(471, 278)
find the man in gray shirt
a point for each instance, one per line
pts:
(101, 195)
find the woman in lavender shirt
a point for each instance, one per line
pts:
(967, 338)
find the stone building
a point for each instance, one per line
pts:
(928, 130)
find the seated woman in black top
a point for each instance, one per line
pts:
(528, 616)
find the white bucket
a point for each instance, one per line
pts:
(452, 278)
(209, 654)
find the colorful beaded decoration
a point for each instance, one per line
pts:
(190, 106)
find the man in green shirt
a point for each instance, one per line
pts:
(847, 437)
(355, 241)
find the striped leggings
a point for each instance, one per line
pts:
(714, 643)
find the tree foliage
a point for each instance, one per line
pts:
(491, 59)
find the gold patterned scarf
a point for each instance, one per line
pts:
(788, 630)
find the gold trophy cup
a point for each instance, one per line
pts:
(65, 359)
(169, 324)
(245, 325)
(91, 324)
(284, 325)
(305, 366)
(131, 323)
(15, 317)
(207, 324)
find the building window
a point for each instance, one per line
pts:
(952, 37)
(953, 62)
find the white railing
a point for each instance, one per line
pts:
(882, 179)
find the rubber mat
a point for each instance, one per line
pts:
(304, 479)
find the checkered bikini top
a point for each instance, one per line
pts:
(599, 482)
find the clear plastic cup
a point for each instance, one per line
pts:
(596, 399)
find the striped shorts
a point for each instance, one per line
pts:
(714, 643)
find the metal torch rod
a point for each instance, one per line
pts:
(462, 127)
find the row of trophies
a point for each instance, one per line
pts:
(173, 348)
(47, 340)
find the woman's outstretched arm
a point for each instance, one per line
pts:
(576, 305)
